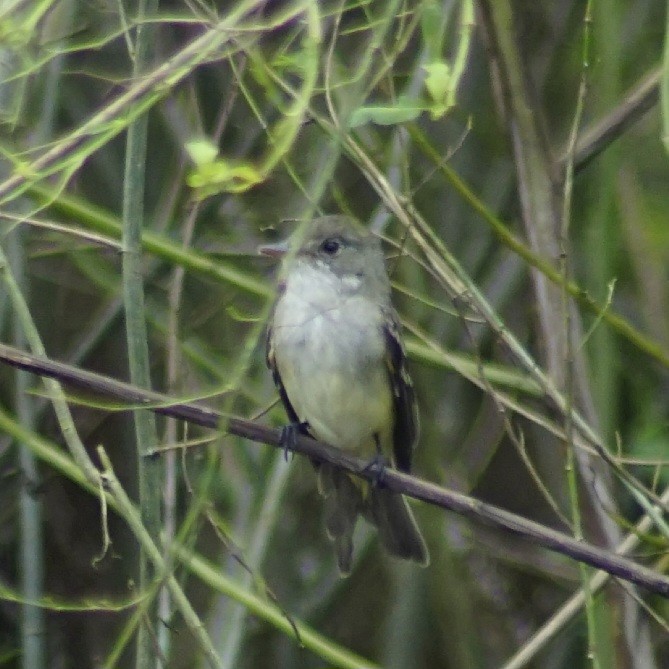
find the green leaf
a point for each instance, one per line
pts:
(201, 151)
(223, 176)
(432, 28)
(383, 114)
(438, 84)
(438, 80)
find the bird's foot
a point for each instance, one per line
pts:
(289, 434)
(376, 469)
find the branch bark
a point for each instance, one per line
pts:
(481, 512)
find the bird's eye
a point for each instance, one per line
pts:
(331, 246)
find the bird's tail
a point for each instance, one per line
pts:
(346, 499)
(343, 504)
(398, 529)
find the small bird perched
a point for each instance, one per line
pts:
(335, 352)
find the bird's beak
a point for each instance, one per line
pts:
(277, 250)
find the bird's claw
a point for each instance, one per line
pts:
(288, 438)
(376, 469)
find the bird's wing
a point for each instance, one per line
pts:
(406, 428)
(271, 363)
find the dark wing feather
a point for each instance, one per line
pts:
(271, 363)
(405, 431)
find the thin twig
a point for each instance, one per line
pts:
(568, 340)
(601, 134)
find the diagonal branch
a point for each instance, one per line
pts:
(601, 134)
(396, 481)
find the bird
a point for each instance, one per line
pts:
(335, 351)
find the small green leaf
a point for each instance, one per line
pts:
(432, 28)
(223, 176)
(383, 114)
(201, 151)
(438, 85)
(438, 80)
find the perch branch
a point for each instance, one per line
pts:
(610, 562)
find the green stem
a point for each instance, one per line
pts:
(33, 633)
(149, 470)
(572, 479)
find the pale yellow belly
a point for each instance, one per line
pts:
(344, 411)
(332, 366)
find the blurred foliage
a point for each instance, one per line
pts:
(247, 135)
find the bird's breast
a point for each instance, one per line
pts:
(330, 353)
